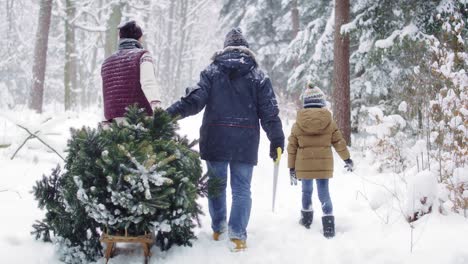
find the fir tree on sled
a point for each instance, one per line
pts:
(133, 178)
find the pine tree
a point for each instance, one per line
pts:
(267, 26)
(311, 51)
(138, 176)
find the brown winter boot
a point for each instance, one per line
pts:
(216, 236)
(238, 245)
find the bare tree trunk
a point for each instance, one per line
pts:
(84, 69)
(294, 18)
(341, 93)
(70, 70)
(9, 16)
(40, 55)
(295, 31)
(112, 33)
(146, 18)
(168, 59)
(92, 92)
(9, 34)
(183, 33)
(158, 42)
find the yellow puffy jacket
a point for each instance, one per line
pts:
(309, 148)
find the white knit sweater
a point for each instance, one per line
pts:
(148, 78)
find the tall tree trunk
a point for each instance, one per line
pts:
(146, 18)
(168, 58)
(294, 18)
(91, 94)
(9, 17)
(40, 55)
(295, 30)
(112, 32)
(10, 37)
(85, 69)
(158, 42)
(341, 93)
(182, 41)
(70, 70)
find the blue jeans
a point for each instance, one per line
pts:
(241, 176)
(323, 194)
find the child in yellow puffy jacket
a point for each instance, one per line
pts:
(310, 155)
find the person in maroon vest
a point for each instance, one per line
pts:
(128, 75)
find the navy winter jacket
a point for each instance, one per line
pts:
(237, 96)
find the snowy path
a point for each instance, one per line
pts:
(362, 237)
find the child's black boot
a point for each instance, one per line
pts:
(328, 223)
(306, 218)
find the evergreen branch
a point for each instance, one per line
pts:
(41, 229)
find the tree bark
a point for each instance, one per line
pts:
(182, 41)
(91, 92)
(168, 58)
(112, 32)
(10, 36)
(294, 18)
(295, 31)
(40, 55)
(341, 90)
(146, 19)
(9, 16)
(70, 70)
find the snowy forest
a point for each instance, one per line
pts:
(394, 74)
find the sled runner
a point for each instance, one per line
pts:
(146, 241)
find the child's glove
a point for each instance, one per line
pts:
(349, 165)
(292, 176)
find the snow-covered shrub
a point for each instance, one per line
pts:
(421, 194)
(449, 109)
(386, 137)
(449, 132)
(458, 187)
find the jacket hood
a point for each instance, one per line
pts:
(236, 61)
(313, 120)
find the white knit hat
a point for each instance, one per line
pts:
(313, 96)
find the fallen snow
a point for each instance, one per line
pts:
(370, 227)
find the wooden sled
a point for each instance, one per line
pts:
(146, 241)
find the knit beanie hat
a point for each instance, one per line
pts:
(235, 38)
(131, 30)
(313, 97)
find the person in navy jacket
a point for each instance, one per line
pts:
(238, 97)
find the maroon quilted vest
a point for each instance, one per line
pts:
(121, 83)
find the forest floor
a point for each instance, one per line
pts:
(369, 226)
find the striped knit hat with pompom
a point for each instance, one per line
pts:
(313, 97)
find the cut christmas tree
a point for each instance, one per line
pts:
(132, 177)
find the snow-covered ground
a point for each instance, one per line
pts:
(370, 228)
